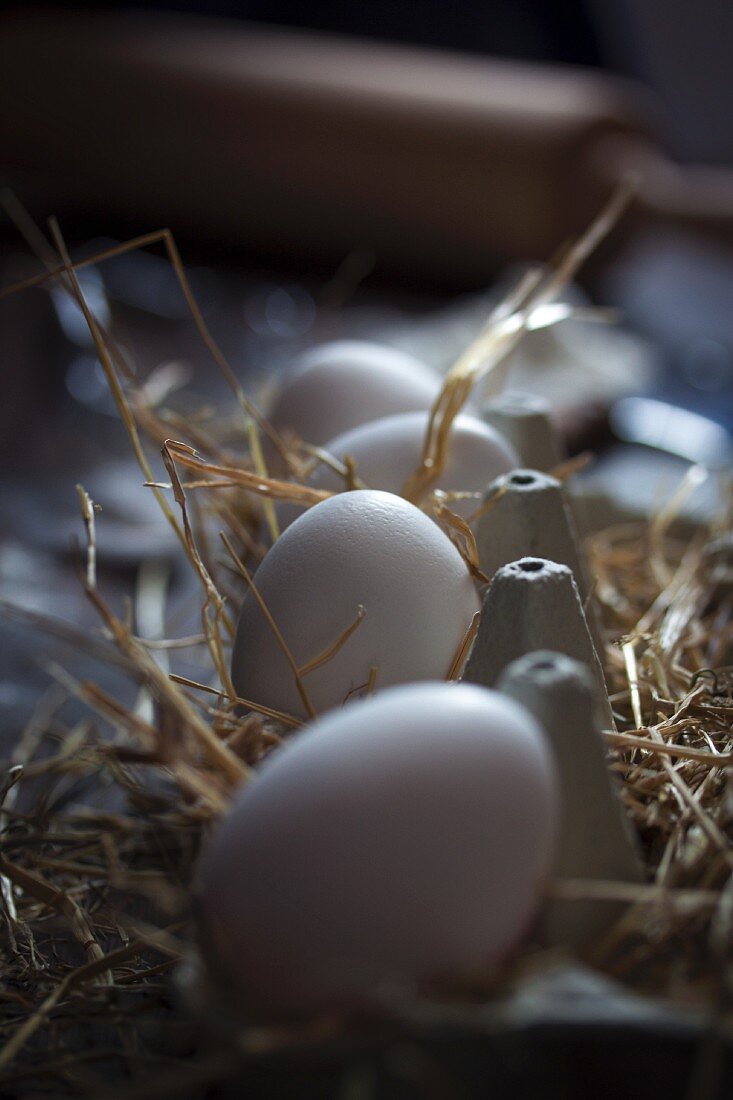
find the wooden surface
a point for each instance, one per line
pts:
(306, 144)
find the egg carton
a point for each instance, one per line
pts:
(556, 1032)
(566, 1034)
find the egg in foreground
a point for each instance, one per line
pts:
(398, 841)
(359, 549)
(336, 386)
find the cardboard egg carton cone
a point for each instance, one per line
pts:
(524, 420)
(534, 604)
(530, 516)
(595, 840)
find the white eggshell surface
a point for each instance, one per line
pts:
(363, 548)
(387, 452)
(400, 840)
(336, 386)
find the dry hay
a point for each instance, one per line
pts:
(96, 902)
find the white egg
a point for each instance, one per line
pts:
(398, 841)
(363, 548)
(336, 386)
(387, 452)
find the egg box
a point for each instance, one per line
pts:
(97, 900)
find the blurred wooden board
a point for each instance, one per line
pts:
(305, 144)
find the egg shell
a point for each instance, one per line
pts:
(336, 386)
(363, 548)
(387, 452)
(400, 840)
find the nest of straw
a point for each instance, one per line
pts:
(96, 903)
